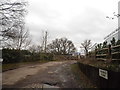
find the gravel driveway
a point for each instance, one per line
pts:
(55, 74)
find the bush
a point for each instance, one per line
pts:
(15, 56)
(11, 55)
(46, 56)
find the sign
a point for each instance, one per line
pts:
(1, 59)
(103, 73)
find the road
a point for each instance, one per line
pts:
(54, 74)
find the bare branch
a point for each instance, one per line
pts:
(86, 45)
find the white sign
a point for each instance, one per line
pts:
(103, 73)
(1, 59)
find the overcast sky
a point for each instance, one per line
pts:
(76, 20)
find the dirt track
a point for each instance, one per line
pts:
(51, 74)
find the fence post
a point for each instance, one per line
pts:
(95, 54)
(109, 53)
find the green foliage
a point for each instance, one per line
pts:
(104, 44)
(113, 42)
(114, 50)
(99, 46)
(81, 77)
(11, 55)
(46, 56)
(118, 42)
(15, 56)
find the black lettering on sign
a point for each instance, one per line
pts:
(103, 73)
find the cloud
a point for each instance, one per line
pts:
(75, 19)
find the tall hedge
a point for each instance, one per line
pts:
(15, 56)
(11, 55)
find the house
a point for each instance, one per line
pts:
(115, 33)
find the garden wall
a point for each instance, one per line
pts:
(92, 73)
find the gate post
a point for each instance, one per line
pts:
(109, 54)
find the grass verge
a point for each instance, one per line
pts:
(81, 77)
(11, 66)
(113, 66)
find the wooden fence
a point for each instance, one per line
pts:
(110, 53)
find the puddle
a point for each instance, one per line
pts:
(50, 72)
(32, 66)
(51, 83)
(49, 86)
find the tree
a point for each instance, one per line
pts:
(113, 42)
(86, 45)
(61, 46)
(104, 44)
(21, 40)
(118, 42)
(99, 46)
(27, 42)
(32, 48)
(11, 17)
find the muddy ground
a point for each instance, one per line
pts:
(48, 75)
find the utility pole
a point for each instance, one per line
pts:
(46, 36)
(44, 41)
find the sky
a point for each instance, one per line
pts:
(76, 20)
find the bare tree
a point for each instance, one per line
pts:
(35, 48)
(21, 39)
(27, 42)
(61, 46)
(11, 17)
(86, 45)
(32, 48)
(38, 49)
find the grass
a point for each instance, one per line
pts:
(113, 66)
(81, 77)
(6, 67)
